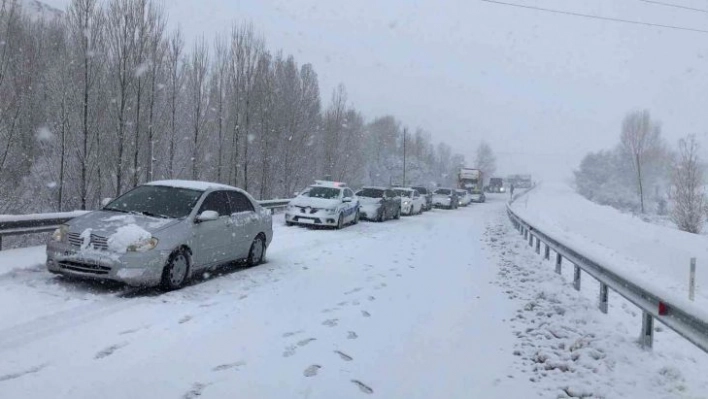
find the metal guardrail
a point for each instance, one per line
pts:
(653, 306)
(15, 225)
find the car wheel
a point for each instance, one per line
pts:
(175, 273)
(288, 224)
(340, 222)
(356, 217)
(398, 214)
(256, 255)
(382, 215)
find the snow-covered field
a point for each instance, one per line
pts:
(449, 304)
(657, 257)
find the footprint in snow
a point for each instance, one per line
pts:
(289, 351)
(196, 391)
(363, 387)
(306, 341)
(185, 319)
(352, 335)
(312, 370)
(19, 374)
(344, 356)
(330, 322)
(291, 333)
(109, 351)
(372, 298)
(353, 291)
(126, 332)
(228, 366)
(365, 313)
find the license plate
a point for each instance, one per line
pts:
(306, 221)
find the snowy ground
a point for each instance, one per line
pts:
(443, 305)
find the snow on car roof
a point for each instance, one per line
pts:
(190, 184)
(403, 189)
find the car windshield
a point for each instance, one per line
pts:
(324, 192)
(371, 193)
(157, 201)
(443, 191)
(404, 193)
(421, 190)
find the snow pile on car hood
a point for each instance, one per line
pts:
(127, 235)
(322, 203)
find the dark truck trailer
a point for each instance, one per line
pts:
(496, 185)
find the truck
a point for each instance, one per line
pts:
(472, 181)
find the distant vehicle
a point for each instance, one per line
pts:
(427, 194)
(324, 203)
(496, 185)
(520, 181)
(445, 198)
(379, 204)
(412, 202)
(471, 180)
(162, 233)
(464, 197)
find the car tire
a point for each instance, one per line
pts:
(176, 272)
(256, 255)
(398, 214)
(382, 215)
(340, 222)
(356, 217)
(289, 224)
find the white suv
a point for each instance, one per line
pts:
(324, 204)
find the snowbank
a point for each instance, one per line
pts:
(654, 257)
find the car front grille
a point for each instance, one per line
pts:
(84, 267)
(97, 242)
(307, 209)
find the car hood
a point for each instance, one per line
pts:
(320, 203)
(107, 223)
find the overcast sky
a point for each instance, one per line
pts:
(542, 89)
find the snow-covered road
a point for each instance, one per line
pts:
(450, 304)
(399, 309)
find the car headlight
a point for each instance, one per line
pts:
(331, 211)
(144, 245)
(406, 202)
(59, 234)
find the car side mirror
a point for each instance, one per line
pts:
(347, 199)
(207, 216)
(296, 193)
(105, 202)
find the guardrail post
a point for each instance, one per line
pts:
(646, 339)
(604, 294)
(559, 263)
(547, 253)
(576, 278)
(0, 243)
(538, 246)
(691, 279)
(530, 240)
(526, 233)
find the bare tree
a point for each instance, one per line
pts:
(196, 83)
(485, 160)
(687, 190)
(176, 83)
(642, 145)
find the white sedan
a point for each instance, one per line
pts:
(412, 203)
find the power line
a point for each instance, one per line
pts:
(598, 17)
(675, 6)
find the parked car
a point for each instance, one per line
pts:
(331, 204)
(445, 198)
(162, 233)
(477, 196)
(411, 201)
(427, 195)
(464, 197)
(379, 203)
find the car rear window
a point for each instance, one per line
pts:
(421, 190)
(371, 193)
(442, 191)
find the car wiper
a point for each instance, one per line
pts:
(115, 210)
(155, 215)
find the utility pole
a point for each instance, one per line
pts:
(405, 132)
